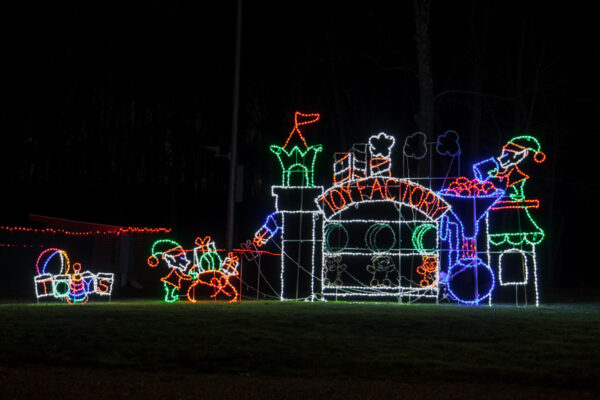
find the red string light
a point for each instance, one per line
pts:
(507, 205)
(119, 231)
(21, 245)
(263, 252)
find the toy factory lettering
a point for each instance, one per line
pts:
(404, 191)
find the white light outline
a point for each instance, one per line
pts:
(53, 280)
(523, 254)
(449, 233)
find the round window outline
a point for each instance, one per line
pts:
(328, 230)
(371, 237)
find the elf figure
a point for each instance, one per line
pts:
(77, 293)
(504, 170)
(178, 263)
(509, 220)
(207, 271)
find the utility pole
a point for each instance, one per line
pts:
(234, 129)
(425, 118)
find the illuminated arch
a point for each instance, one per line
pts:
(403, 192)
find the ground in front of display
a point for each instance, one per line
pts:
(149, 349)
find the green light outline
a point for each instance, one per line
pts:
(417, 239)
(299, 160)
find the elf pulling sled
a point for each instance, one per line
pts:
(207, 273)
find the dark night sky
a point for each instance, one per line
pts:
(106, 106)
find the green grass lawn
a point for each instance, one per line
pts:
(556, 346)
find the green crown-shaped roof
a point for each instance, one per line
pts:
(298, 158)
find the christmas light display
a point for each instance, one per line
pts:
(77, 288)
(376, 189)
(270, 228)
(186, 279)
(470, 201)
(429, 266)
(380, 268)
(448, 144)
(294, 217)
(525, 275)
(506, 167)
(511, 230)
(415, 146)
(249, 250)
(333, 270)
(294, 207)
(73, 287)
(427, 270)
(298, 160)
(370, 234)
(380, 147)
(20, 245)
(376, 255)
(117, 231)
(417, 238)
(378, 235)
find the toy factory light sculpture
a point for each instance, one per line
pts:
(375, 235)
(68, 283)
(205, 274)
(371, 217)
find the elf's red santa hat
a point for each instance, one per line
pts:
(161, 247)
(531, 144)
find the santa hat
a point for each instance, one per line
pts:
(518, 143)
(163, 246)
